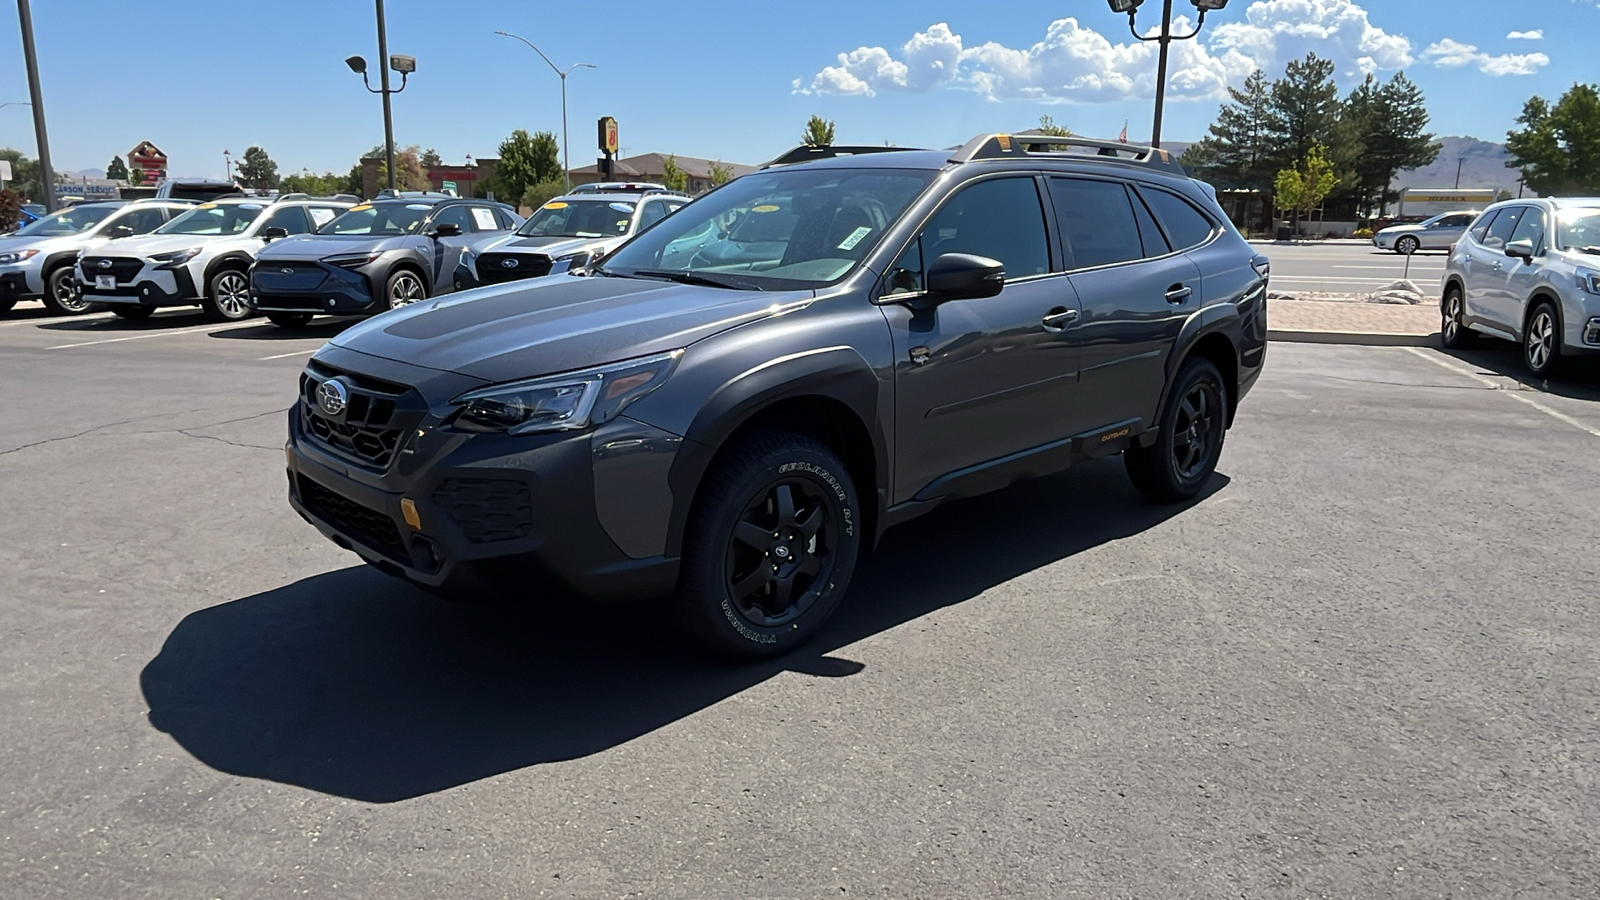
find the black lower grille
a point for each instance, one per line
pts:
(121, 266)
(367, 525)
(487, 509)
(492, 268)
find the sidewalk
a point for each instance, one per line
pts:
(1328, 322)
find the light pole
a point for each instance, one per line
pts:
(1459, 161)
(405, 65)
(47, 172)
(1131, 7)
(227, 166)
(566, 161)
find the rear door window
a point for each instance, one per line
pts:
(1098, 227)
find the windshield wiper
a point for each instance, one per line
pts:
(1591, 249)
(692, 278)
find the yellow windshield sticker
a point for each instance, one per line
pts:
(207, 206)
(555, 204)
(359, 207)
(764, 208)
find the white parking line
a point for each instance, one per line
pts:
(91, 318)
(153, 334)
(1390, 268)
(1452, 365)
(287, 355)
(1337, 279)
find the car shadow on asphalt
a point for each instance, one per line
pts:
(185, 319)
(317, 329)
(354, 684)
(1578, 380)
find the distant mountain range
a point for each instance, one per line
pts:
(1483, 165)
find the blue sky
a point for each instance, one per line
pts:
(728, 80)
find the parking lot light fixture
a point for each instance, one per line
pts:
(566, 161)
(405, 65)
(1165, 38)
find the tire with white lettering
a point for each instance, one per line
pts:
(770, 547)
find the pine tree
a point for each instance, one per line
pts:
(818, 133)
(118, 170)
(1303, 111)
(1382, 133)
(256, 169)
(1236, 152)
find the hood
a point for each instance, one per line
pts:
(322, 246)
(151, 244)
(545, 325)
(43, 244)
(1401, 229)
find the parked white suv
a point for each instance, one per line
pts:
(200, 258)
(36, 259)
(1528, 271)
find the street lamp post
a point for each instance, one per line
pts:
(1165, 38)
(566, 161)
(47, 172)
(1460, 160)
(405, 65)
(227, 166)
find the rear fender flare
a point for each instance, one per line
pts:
(1223, 319)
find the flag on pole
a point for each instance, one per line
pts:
(1123, 137)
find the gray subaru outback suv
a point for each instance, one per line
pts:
(738, 402)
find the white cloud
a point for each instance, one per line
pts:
(1452, 54)
(1536, 34)
(1075, 62)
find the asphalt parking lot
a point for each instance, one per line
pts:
(1349, 268)
(1363, 665)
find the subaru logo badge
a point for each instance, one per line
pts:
(104, 263)
(285, 271)
(332, 397)
(509, 262)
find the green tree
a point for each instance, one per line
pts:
(1558, 147)
(1383, 131)
(257, 170)
(323, 185)
(542, 192)
(24, 175)
(1237, 151)
(10, 211)
(136, 176)
(118, 170)
(674, 178)
(1302, 111)
(1304, 187)
(720, 173)
(526, 160)
(818, 133)
(409, 175)
(1048, 126)
(430, 157)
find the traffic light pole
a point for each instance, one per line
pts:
(47, 173)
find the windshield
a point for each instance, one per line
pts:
(213, 218)
(383, 218)
(1578, 229)
(67, 221)
(579, 218)
(784, 228)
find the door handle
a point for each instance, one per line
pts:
(1178, 293)
(1059, 318)
(1497, 265)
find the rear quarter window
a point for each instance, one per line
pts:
(1185, 226)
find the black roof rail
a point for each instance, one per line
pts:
(808, 152)
(1013, 146)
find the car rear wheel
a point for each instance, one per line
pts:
(1453, 333)
(770, 547)
(133, 312)
(1189, 439)
(1407, 245)
(1541, 340)
(228, 297)
(403, 289)
(62, 293)
(289, 319)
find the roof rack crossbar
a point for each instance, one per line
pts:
(808, 152)
(1004, 146)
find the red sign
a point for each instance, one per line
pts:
(608, 135)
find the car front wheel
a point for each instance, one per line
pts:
(63, 295)
(1407, 246)
(1189, 439)
(1541, 340)
(403, 289)
(770, 547)
(228, 299)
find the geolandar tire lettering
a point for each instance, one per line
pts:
(771, 545)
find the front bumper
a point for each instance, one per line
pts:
(152, 287)
(311, 287)
(14, 286)
(494, 508)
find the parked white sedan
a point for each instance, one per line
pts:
(1437, 233)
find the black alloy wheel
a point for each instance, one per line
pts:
(1453, 332)
(1189, 439)
(63, 295)
(770, 546)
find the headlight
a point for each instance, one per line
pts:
(1589, 280)
(16, 256)
(563, 402)
(175, 258)
(353, 260)
(470, 260)
(582, 256)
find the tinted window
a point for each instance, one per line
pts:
(1097, 222)
(653, 212)
(1531, 228)
(453, 215)
(1155, 244)
(506, 222)
(142, 221)
(1000, 219)
(1185, 226)
(1505, 223)
(1482, 227)
(1460, 220)
(290, 218)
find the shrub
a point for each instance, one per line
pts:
(540, 193)
(1363, 232)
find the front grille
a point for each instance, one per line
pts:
(270, 276)
(369, 429)
(487, 509)
(492, 267)
(121, 266)
(355, 520)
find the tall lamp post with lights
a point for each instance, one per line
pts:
(566, 163)
(1165, 38)
(405, 65)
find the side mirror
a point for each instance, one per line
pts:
(120, 231)
(1522, 249)
(963, 276)
(446, 229)
(273, 232)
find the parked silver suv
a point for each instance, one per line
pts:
(1528, 271)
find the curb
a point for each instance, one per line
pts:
(1366, 338)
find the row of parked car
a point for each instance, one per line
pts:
(293, 256)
